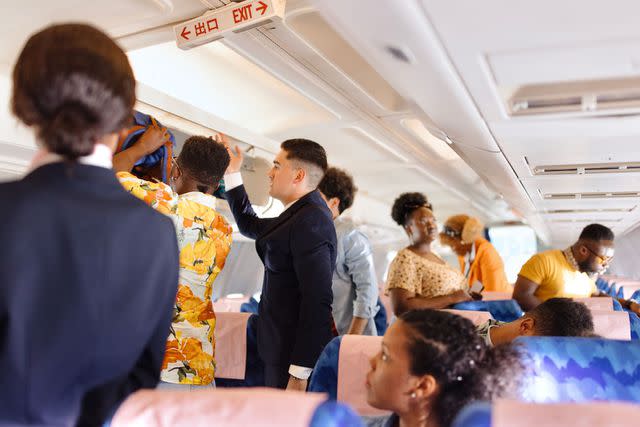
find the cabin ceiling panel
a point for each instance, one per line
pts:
(116, 17)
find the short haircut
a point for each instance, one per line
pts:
(596, 232)
(310, 155)
(204, 160)
(74, 85)
(407, 203)
(562, 317)
(338, 183)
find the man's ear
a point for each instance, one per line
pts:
(334, 203)
(527, 326)
(299, 176)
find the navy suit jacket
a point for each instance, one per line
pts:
(88, 277)
(298, 250)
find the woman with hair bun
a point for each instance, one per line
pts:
(84, 316)
(433, 363)
(418, 277)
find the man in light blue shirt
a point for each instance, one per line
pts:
(355, 289)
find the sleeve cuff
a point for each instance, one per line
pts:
(232, 180)
(300, 372)
(363, 310)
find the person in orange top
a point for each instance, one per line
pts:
(479, 260)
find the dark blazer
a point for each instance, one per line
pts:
(88, 277)
(298, 250)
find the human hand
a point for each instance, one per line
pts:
(236, 156)
(152, 139)
(477, 296)
(296, 384)
(461, 296)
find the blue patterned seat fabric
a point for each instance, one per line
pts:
(477, 414)
(335, 414)
(581, 369)
(324, 378)
(502, 310)
(634, 320)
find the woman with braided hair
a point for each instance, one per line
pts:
(433, 363)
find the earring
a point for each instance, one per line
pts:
(413, 395)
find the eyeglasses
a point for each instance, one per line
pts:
(174, 164)
(448, 231)
(601, 259)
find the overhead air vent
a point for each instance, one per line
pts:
(594, 195)
(571, 97)
(587, 168)
(585, 220)
(588, 211)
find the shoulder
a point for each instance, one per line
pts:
(313, 215)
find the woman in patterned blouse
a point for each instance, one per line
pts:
(419, 278)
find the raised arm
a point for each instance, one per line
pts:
(152, 139)
(249, 224)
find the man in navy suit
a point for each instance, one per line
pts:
(298, 250)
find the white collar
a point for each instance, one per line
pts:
(102, 156)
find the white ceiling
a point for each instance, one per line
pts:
(285, 80)
(467, 57)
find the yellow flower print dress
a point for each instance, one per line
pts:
(204, 240)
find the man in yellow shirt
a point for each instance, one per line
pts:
(567, 273)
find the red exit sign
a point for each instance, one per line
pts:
(233, 17)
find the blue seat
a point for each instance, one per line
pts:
(634, 321)
(380, 319)
(477, 414)
(636, 296)
(617, 306)
(250, 306)
(502, 310)
(613, 290)
(324, 378)
(581, 369)
(335, 414)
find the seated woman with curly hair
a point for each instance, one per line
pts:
(418, 277)
(433, 363)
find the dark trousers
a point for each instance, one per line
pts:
(276, 376)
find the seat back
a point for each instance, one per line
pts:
(502, 310)
(353, 366)
(597, 303)
(232, 408)
(477, 317)
(613, 325)
(231, 345)
(571, 369)
(496, 296)
(511, 413)
(230, 303)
